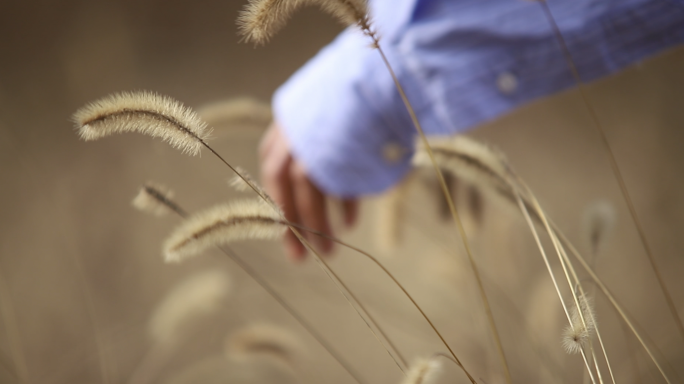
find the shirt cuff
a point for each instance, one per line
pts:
(345, 119)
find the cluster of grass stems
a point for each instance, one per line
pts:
(160, 116)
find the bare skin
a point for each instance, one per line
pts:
(286, 180)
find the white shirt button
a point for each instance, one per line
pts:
(507, 83)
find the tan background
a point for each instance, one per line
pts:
(78, 265)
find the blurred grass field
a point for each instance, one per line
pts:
(79, 267)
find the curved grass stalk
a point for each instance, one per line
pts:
(557, 235)
(397, 283)
(565, 263)
(163, 117)
(266, 286)
(618, 308)
(593, 320)
(610, 297)
(452, 209)
(262, 19)
(350, 297)
(278, 298)
(592, 353)
(620, 311)
(595, 241)
(392, 350)
(533, 229)
(505, 189)
(531, 339)
(614, 166)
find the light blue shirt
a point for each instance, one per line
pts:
(461, 62)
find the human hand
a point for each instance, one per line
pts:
(286, 181)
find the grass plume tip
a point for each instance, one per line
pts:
(466, 158)
(423, 371)
(264, 339)
(262, 19)
(223, 224)
(155, 199)
(577, 335)
(144, 112)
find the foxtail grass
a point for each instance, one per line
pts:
(267, 340)
(577, 335)
(453, 210)
(194, 239)
(155, 199)
(423, 371)
(160, 116)
(263, 18)
(614, 166)
(597, 223)
(516, 191)
(524, 200)
(144, 112)
(109, 112)
(223, 224)
(374, 260)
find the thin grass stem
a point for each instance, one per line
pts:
(596, 365)
(348, 295)
(593, 320)
(530, 337)
(533, 229)
(584, 357)
(614, 166)
(610, 297)
(263, 283)
(266, 286)
(565, 263)
(396, 282)
(620, 311)
(351, 298)
(452, 209)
